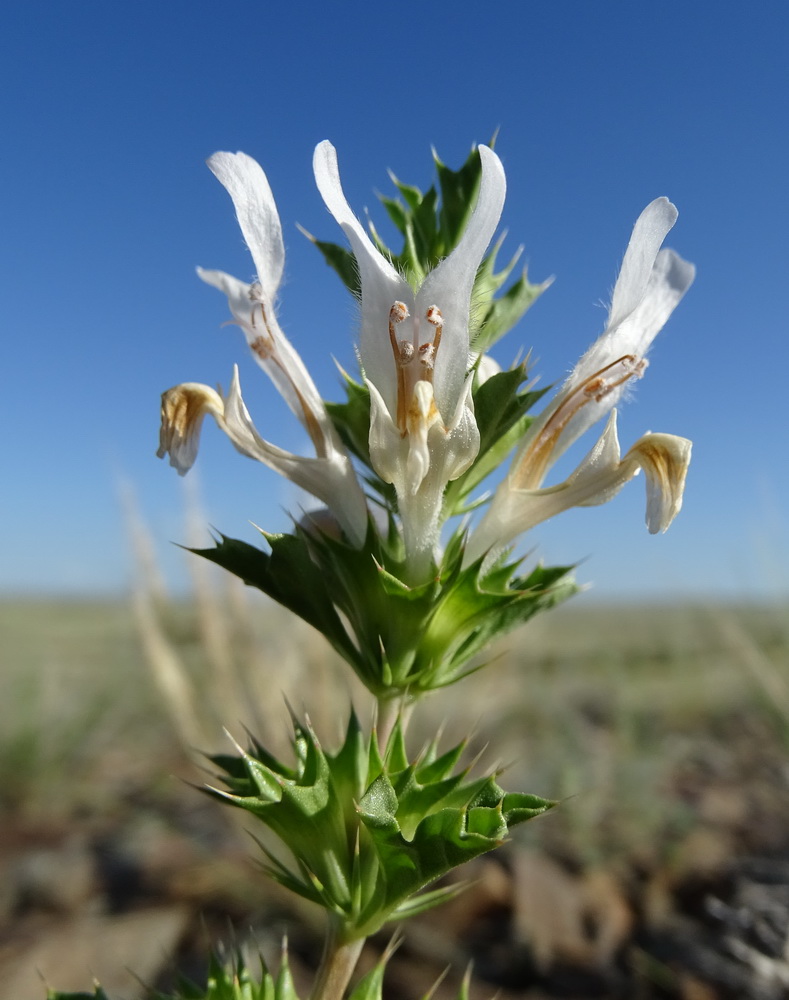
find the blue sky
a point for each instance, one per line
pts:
(106, 206)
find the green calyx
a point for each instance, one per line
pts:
(370, 831)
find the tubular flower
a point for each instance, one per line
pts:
(651, 283)
(330, 475)
(414, 351)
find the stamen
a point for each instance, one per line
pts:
(262, 346)
(265, 346)
(594, 388)
(436, 319)
(427, 352)
(255, 294)
(403, 355)
(316, 433)
(406, 353)
(427, 357)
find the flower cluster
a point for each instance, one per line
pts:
(430, 419)
(418, 364)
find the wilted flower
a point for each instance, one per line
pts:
(329, 475)
(414, 351)
(651, 283)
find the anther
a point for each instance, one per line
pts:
(406, 353)
(433, 315)
(403, 355)
(258, 302)
(263, 347)
(398, 312)
(428, 352)
(427, 356)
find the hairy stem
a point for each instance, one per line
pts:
(337, 964)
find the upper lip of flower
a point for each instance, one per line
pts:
(444, 295)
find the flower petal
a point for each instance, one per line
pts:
(382, 286)
(183, 410)
(665, 459)
(599, 477)
(449, 286)
(606, 371)
(330, 479)
(257, 215)
(274, 353)
(671, 277)
(649, 231)
(422, 416)
(237, 293)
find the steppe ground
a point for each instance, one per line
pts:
(663, 731)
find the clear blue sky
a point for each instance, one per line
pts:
(109, 111)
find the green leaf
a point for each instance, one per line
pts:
(396, 212)
(504, 312)
(290, 577)
(284, 988)
(378, 806)
(424, 901)
(459, 190)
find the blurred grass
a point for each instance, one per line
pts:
(68, 669)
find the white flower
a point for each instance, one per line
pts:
(414, 351)
(651, 283)
(330, 475)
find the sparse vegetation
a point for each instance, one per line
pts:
(663, 727)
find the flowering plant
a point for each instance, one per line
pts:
(409, 596)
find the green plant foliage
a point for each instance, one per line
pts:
(232, 980)
(369, 832)
(400, 639)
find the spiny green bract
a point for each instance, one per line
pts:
(400, 640)
(234, 981)
(369, 832)
(231, 980)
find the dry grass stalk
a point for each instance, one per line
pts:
(744, 649)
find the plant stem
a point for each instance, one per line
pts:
(337, 964)
(388, 711)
